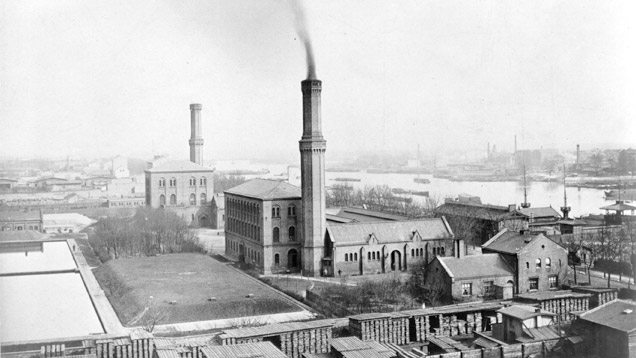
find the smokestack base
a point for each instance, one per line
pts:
(195, 106)
(310, 83)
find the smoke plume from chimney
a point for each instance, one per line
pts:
(303, 34)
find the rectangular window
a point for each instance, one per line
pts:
(467, 289)
(489, 288)
(553, 281)
(534, 283)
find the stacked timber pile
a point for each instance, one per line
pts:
(295, 338)
(563, 303)
(600, 295)
(381, 327)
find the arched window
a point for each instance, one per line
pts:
(203, 181)
(527, 265)
(193, 199)
(276, 211)
(412, 252)
(355, 257)
(162, 182)
(204, 199)
(276, 259)
(292, 233)
(291, 210)
(538, 263)
(421, 252)
(368, 256)
(373, 255)
(173, 199)
(378, 255)
(548, 263)
(173, 182)
(162, 199)
(276, 234)
(346, 257)
(193, 181)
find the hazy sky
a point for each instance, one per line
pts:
(100, 78)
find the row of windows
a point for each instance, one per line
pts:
(373, 255)
(250, 253)
(243, 210)
(553, 282)
(193, 199)
(417, 252)
(439, 251)
(203, 181)
(291, 211)
(276, 234)
(488, 288)
(537, 263)
(251, 231)
(351, 257)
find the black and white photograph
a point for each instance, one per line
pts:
(317, 179)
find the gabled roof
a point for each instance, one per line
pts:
(619, 207)
(478, 211)
(614, 314)
(387, 231)
(546, 212)
(359, 214)
(511, 242)
(19, 215)
(486, 265)
(266, 190)
(523, 312)
(179, 166)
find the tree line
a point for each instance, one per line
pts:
(147, 233)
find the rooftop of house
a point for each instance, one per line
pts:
(523, 312)
(11, 216)
(511, 242)
(617, 314)
(550, 295)
(479, 211)
(537, 213)
(252, 350)
(266, 190)
(360, 214)
(388, 231)
(171, 166)
(486, 265)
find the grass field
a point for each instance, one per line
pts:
(189, 280)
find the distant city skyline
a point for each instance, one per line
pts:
(99, 79)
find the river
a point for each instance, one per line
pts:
(583, 201)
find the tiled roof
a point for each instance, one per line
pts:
(387, 231)
(358, 214)
(266, 190)
(523, 312)
(546, 212)
(487, 265)
(179, 166)
(479, 211)
(248, 350)
(8, 216)
(615, 314)
(511, 242)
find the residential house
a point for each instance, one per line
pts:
(471, 277)
(540, 264)
(523, 323)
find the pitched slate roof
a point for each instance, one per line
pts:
(387, 231)
(614, 314)
(358, 214)
(510, 242)
(486, 265)
(546, 212)
(266, 190)
(179, 166)
(524, 312)
(479, 211)
(248, 350)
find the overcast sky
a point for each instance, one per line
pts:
(101, 78)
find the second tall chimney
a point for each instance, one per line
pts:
(196, 141)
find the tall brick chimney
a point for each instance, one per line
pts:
(312, 178)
